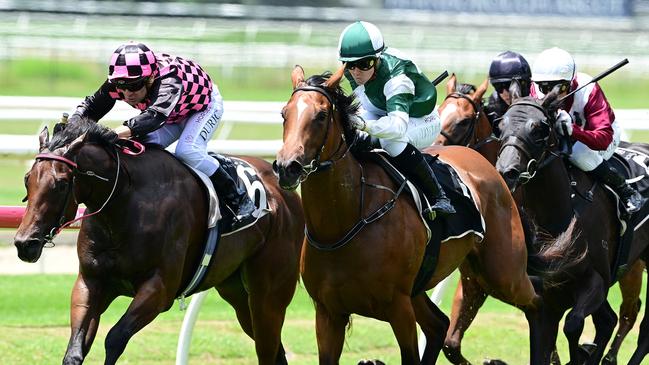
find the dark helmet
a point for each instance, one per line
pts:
(507, 66)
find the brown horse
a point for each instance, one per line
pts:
(366, 242)
(147, 235)
(464, 123)
(530, 160)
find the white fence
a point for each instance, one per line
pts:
(48, 109)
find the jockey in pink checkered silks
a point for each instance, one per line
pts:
(178, 101)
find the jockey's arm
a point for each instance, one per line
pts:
(398, 101)
(597, 133)
(96, 105)
(164, 97)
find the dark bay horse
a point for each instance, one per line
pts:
(351, 265)
(531, 161)
(464, 123)
(147, 236)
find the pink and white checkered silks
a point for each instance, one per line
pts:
(197, 86)
(130, 61)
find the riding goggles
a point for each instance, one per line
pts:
(363, 64)
(547, 86)
(501, 86)
(129, 84)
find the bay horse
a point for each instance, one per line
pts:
(465, 123)
(351, 264)
(146, 235)
(530, 160)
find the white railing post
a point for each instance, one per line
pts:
(185, 336)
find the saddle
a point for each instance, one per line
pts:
(466, 220)
(634, 165)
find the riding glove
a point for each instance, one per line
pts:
(358, 122)
(563, 119)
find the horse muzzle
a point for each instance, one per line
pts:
(29, 248)
(289, 173)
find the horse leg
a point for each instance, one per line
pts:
(149, 301)
(89, 300)
(234, 292)
(643, 337)
(544, 327)
(433, 322)
(468, 299)
(604, 320)
(330, 334)
(589, 298)
(630, 286)
(401, 316)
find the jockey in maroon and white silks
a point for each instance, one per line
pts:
(595, 130)
(588, 119)
(178, 101)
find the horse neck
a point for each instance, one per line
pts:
(483, 131)
(547, 197)
(331, 198)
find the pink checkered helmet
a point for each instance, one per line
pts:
(131, 61)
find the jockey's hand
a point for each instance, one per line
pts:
(357, 122)
(564, 123)
(123, 131)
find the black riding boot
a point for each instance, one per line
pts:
(631, 198)
(235, 197)
(415, 167)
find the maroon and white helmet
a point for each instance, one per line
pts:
(132, 61)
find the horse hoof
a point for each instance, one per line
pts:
(371, 362)
(493, 362)
(587, 350)
(609, 360)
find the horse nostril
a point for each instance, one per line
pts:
(511, 175)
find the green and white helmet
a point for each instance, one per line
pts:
(360, 40)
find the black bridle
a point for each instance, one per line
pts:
(523, 143)
(466, 138)
(317, 165)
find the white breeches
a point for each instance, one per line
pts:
(586, 159)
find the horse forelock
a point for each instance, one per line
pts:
(466, 89)
(346, 104)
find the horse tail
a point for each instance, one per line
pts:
(550, 257)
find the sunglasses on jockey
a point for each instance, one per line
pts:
(363, 64)
(129, 84)
(547, 86)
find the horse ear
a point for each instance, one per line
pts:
(451, 84)
(76, 144)
(297, 76)
(479, 93)
(515, 90)
(43, 139)
(551, 101)
(334, 79)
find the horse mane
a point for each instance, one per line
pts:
(345, 103)
(64, 134)
(466, 89)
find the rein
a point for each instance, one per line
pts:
(75, 170)
(318, 166)
(465, 140)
